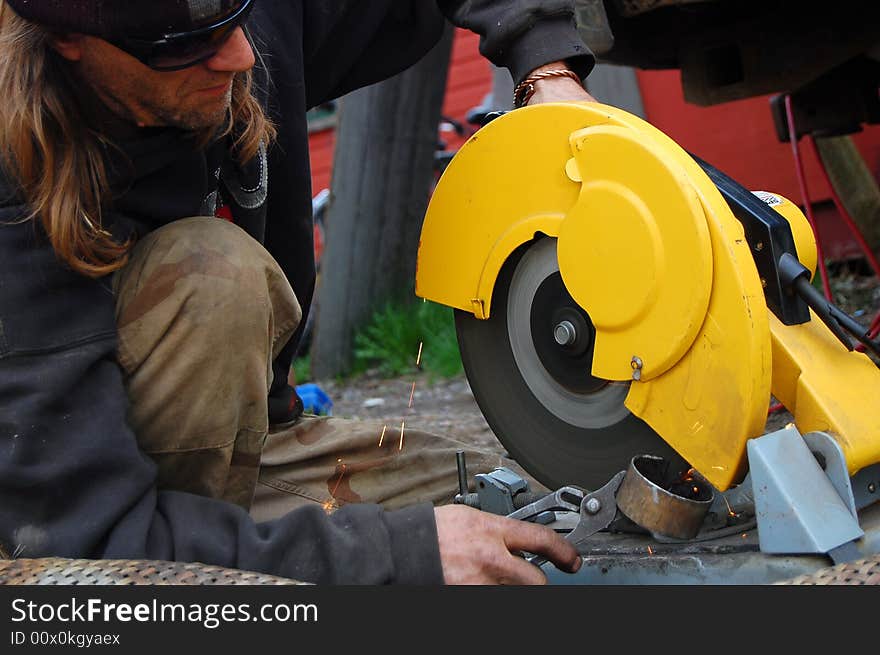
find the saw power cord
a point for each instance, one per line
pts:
(709, 535)
(874, 328)
(856, 233)
(805, 195)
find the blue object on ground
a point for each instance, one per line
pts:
(315, 401)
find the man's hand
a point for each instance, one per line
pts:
(558, 89)
(478, 548)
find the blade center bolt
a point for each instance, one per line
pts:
(593, 505)
(565, 333)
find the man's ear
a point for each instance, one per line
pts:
(69, 46)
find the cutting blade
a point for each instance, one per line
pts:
(529, 369)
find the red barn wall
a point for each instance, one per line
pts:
(740, 139)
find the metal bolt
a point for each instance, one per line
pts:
(565, 333)
(636, 364)
(872, 487)
(759, 246)
(764, 283)
(594, 505)
(461, 465)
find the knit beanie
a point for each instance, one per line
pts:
(132, 18)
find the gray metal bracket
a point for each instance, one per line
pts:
(798, 507)
(497, 489)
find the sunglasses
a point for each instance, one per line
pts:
(180, 50)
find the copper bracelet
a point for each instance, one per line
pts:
(526, 89)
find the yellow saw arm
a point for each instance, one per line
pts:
(649, 249)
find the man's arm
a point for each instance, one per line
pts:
(74, 484)
(528, 36)
(350, 44)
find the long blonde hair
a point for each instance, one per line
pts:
(57, 162)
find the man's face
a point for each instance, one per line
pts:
(194, 98)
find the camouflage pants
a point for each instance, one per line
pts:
(202, 309)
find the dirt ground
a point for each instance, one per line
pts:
(445, 406)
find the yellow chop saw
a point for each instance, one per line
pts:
(624, 312)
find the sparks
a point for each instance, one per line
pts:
(650, 551)
(382, 436)
(330, 506)
(687, 476)
(744, 535)
(341, 474)
(730, 511)
(419, 356)
(412, 393)
(402, 426)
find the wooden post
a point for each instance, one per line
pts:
(382, 173)
(854, 184)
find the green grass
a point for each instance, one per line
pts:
(302, 368)
(390, 341)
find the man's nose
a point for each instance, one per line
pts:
(234, 56)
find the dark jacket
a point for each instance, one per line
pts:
(72, 480)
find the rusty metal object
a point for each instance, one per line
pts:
(664, 502)
(60, 571)
(861, 572)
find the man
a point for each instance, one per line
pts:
(144, 343)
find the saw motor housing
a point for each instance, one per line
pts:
(648, 247)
